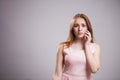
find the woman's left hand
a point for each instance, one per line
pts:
(89, 38)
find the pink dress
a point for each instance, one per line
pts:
(75, 65)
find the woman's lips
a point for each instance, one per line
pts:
(80, 33)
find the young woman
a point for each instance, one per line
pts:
(79, 55)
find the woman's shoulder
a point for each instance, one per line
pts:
(61, 48)
(96, 46)
(62, 45)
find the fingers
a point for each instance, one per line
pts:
(87, 33)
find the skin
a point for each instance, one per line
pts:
(80, 31)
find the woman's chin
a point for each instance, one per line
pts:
(80, 37)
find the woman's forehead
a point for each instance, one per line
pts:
(80, 21)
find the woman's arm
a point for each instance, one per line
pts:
(93, 59)
(57, 75)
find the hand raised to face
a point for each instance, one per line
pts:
(87, 37)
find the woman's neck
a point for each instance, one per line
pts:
(77, 44)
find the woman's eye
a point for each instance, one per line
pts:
(76, 25)
(83, 25)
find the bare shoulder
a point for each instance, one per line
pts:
(61, 46)
(97, 46)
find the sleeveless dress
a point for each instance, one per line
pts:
(75, 67)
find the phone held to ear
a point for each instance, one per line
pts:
(85, 38)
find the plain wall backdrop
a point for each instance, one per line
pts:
(30, 31)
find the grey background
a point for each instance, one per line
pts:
(30, 31)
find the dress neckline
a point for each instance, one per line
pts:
(82, 50)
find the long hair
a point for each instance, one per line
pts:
(71, 36)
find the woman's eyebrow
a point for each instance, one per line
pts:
(76, 24)
(83, 23)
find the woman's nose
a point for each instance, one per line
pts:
(79, 28)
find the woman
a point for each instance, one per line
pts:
(79, 55)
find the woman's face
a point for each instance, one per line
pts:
(79, 28)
